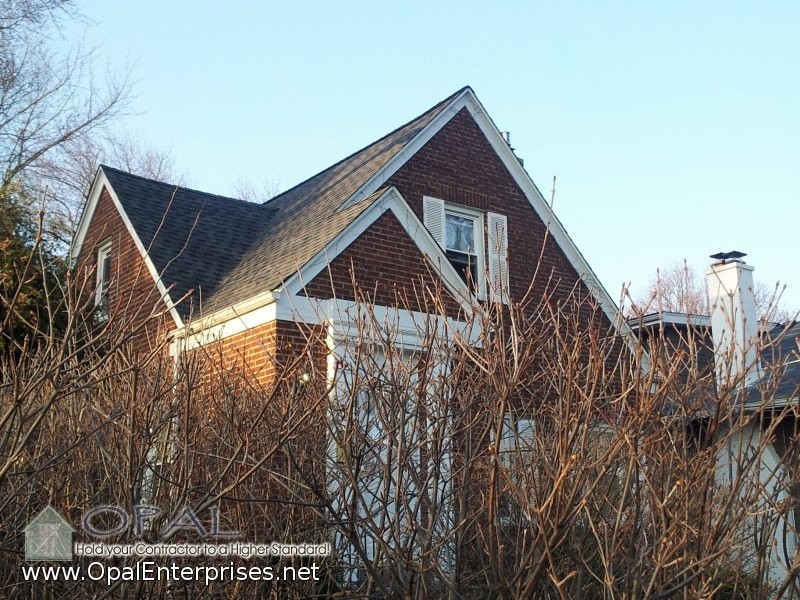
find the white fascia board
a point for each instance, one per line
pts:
(219, 331)
(670, 318)
(101, 182)
(92, 200)
(201, 323)
(776, 404)
(410, 149)
(407, 325)
(467, 99)
(390, 200)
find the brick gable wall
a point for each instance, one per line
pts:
(387, 268)
(459, 166)
(133, 294)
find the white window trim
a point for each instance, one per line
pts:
(103, 252)
(479, 237)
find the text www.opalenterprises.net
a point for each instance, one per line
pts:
(150, 571)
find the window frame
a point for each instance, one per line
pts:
(478, 236)
(491, 246)
(103, 281)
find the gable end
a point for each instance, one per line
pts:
(102, 192)
(386, 268)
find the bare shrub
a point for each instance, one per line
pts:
(523, 451)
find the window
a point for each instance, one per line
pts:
(460, 232)
(461, 235)
(103, 280)
(519, 459)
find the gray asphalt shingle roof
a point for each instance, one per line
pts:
(193, 238)
(229, 250)
(781, 360)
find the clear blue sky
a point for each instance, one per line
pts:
(673, 128)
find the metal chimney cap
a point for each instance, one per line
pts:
(726, 256)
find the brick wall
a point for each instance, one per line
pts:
(273, 350)
(249, 388)
(385, 267)
(133, 295)
(459, 166)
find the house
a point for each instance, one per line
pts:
(757, 369)
(733, 360)
(442, 201)
(669, 335)
(429, 224)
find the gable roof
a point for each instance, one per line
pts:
(229, 251)
(304, 219)
(193, 238)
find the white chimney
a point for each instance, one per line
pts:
(734, 325)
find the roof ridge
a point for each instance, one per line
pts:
(436, 106)
(105, 167)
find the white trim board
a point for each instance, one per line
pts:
(406, 324)
(240, 323)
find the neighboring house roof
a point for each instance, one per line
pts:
(678, 336)
(780, 351)
(780, 359)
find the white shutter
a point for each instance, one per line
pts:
(434, 219)
(526, 434)
(498, 257)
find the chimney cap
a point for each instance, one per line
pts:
(726, 256)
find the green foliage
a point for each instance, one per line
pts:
(29, 274)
